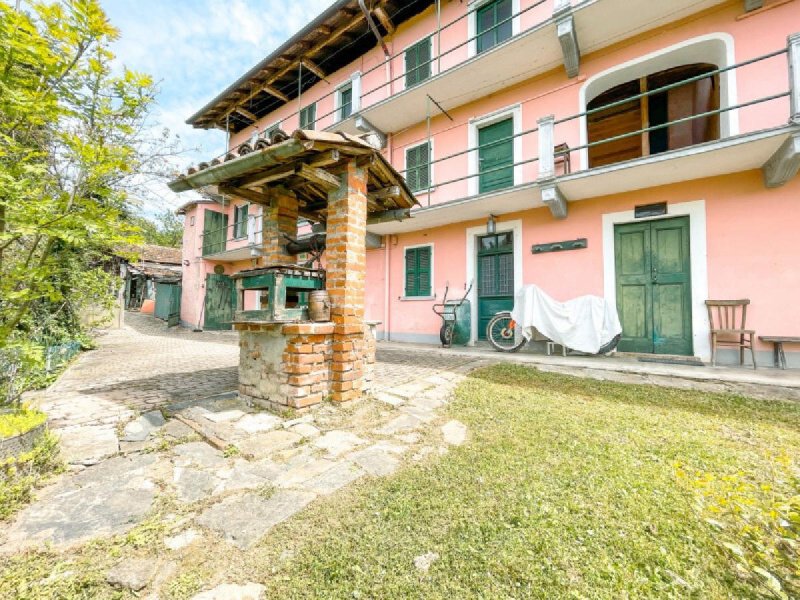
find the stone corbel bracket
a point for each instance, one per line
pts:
(567, 37)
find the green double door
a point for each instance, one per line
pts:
(220, 302)
(654, 297)
(495, 277)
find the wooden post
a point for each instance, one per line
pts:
(547, 158)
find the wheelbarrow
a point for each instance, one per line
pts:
(455, 315)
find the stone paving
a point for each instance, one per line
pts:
(152, 414)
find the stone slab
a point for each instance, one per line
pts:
(401, 424)
(229, 591)
(306, 430)
(192, 484)
(225, 416)
(132, 573)
(258, 423)
(375, 461)
(181, 540)
(334, 479)
(337, 442)
(264, 444)
(88, 444)
(454, 433)
(244, 520)
(198, 454)
(142, 428)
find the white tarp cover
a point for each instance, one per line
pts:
(585, 324)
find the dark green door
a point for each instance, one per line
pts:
(654, 286)
(495, 277)
(220, 302)
(496, 156)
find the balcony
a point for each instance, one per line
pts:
(233, 243)
(460, 76)
(771, 142)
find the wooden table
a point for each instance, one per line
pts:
(777, 349)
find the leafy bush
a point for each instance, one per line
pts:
(756, 522)
(20, 476)
(17, 422)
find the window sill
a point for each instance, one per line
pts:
(416, 298)
(424, 191)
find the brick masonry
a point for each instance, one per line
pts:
(301, 364)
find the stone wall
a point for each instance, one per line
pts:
(297, 365)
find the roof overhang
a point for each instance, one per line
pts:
(307, 164)
(328, 43)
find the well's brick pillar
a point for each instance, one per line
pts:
(280, 217)
(346, 272)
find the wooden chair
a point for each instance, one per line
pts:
(727, 320)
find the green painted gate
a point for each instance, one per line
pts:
(654, 297)
(496, 156)
(168, 300)
(220, 302)
(495, 277)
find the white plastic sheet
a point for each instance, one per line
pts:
(585, 324)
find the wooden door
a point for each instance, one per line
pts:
(220, 302)
(495, 277)
(215, 228)
(654, 286)
(496, 156)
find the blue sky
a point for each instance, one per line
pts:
(195, 49)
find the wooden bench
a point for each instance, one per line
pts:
(777, 349)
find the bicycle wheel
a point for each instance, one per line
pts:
(503, 333)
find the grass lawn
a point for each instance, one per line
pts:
(566, 488)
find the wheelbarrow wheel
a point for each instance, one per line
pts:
(610, 345)
(446, 334)
(503, 333)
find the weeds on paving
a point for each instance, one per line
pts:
(20, 476)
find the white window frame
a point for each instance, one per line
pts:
(306, 107)
(355, 104)
(431, 179)
(275, 125)
(472, 24)
(477, 123)
(405, 298)
(246, 206)
(434, 62)
(717, 48)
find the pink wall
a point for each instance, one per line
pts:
(751, 231)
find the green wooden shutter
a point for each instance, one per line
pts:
(308, 116)
(215, 226)
(496, 156)
(418, 62)
(418, 168)
(240, 221)
(418, 271)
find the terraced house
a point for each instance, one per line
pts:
(642, 151)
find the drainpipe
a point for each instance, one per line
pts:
(386, 312)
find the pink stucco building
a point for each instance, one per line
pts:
(663, 136)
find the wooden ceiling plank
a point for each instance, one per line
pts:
(318, 177)
(265, 177)
(246, 113)
(308, 64)
(384, 19)
(273, 92)
(251, 195)
(335, 35)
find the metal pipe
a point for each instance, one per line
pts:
(374, 29)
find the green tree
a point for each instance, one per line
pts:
(166, 229)
(73, 143)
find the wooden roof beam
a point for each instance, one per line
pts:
(384, 19)
(273, 92)
(308, 64)
(356, 19)
(246, 113)
(319, 177)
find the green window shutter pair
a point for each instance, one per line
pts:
(240, 221)
(308, 116)
(418, 167)
(418, 272)
(418, 62)
(215, 226)
(345, 102)
(494, 24)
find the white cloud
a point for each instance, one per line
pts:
(194, 50)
